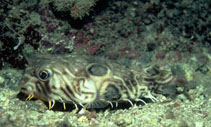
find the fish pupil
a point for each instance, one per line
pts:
(44, 74)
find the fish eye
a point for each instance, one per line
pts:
(97, 70)
(112, 93)
(44, 74)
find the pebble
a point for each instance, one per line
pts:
(82, 119)
(1, 79)
(199, 124)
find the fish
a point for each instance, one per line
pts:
(89, 81)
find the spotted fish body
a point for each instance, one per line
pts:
(88, 81)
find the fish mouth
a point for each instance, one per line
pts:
(31, 95)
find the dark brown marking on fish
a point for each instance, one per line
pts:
(149, 79)
(55, 93)
(37, 85)
(78, 90)
(82, 73)
(43, 89)
(69, 90)
(129, 85)
(88, 93)
(65, 93)
(53, 87)
(75, 88)
(47, 86)
(154, 71)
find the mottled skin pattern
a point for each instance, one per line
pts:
(89, 81)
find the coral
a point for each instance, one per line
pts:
(83, 40)
(77, 9)
(124, 49)
(23, 32)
